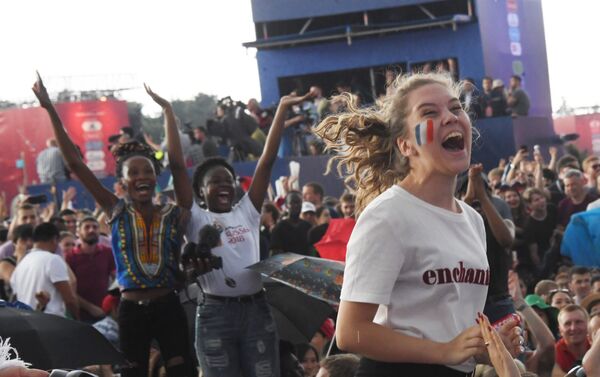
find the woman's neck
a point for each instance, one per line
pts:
(143, 207)
(436, 190)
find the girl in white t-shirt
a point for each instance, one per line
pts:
(235, 331)
(416, 270)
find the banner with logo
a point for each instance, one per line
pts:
(24, 132)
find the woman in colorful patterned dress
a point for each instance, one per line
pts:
(146, 242)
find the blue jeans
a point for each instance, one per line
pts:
(236, 338)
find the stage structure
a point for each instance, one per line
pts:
(304, 43)
(354, 42)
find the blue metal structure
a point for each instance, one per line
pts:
(495, 38)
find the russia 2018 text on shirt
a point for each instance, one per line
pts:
(235, 234)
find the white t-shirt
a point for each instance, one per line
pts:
(425, 266)
(38, 271)
(240, 248)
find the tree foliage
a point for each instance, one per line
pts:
(196, 112)
(192, 113)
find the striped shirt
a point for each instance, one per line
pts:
(50, 165)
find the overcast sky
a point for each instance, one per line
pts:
(184, 47)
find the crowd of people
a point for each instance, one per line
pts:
(451, 269)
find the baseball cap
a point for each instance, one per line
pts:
(497, 84)
(537, 301)
(308, 207)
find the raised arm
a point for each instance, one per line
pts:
(541, 360)
(101, 194)
(502, 230)
(262, 175)
(181, 181)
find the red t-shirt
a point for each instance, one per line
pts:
(564, 358)
(92, 271)
(566, 208)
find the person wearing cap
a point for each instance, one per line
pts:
(570, 349)
(547, 313)
(540, 358)
(498, 99)
(108, 326)
(291, 233)
(309, 213)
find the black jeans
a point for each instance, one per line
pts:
(372, 368)
(162, 319)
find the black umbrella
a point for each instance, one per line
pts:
(298, 316)
(49, 341)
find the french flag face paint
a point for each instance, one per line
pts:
(424, 132)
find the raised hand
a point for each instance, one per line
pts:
(40, 92)
(476, 187)
(69, 194)
(293, 99)
(42, 298)
(510, 334)
(520, 156)
(158, 99)
(513, 286)
(499, 356)
(466, 345)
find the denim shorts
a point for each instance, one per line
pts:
(236, 338)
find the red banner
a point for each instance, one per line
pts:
(23, 132)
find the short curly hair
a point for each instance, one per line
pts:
(123, 152)
(205, 167)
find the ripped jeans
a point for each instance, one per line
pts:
(237, 338)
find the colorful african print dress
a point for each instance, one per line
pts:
(147, 257)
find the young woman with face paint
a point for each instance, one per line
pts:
(146, 241)
(235, 332)
(416, 271)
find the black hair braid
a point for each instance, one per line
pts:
(125, 151)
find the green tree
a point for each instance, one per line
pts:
(197, 111)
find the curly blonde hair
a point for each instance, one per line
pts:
(364, 139)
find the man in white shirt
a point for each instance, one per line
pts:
(43, 271)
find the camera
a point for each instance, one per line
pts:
(209, 237)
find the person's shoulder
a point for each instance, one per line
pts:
(305, 224)
(565, 202)
(104, 248)
(387, 200)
